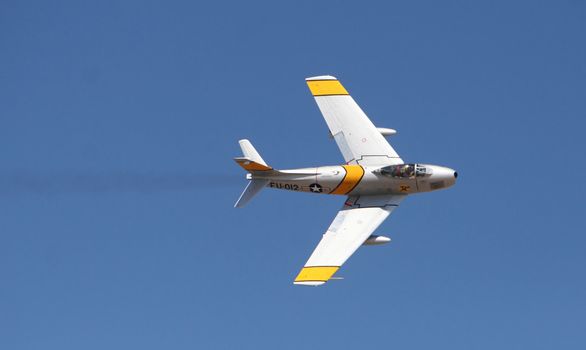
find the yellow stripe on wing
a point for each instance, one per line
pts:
(316, 273)
(326, 87)
(354, 174)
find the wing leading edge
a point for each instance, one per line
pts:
(355, 222)
(356, 136)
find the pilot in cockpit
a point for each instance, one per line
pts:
(399, 171)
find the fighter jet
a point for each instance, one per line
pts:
(375, 180)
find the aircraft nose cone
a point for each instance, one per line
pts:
(441, 177)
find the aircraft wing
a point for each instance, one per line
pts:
(358, 139)
(355, 222)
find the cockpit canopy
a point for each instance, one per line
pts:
(406, 171)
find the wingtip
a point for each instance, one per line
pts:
(321, 77)
(310, 283)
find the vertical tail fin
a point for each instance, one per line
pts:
(250, 152)
(253, 163)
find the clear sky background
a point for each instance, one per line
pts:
(119, 121)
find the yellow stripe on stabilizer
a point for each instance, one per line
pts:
(326, 87)
(354, 174)
(316, 273)
(250, 165)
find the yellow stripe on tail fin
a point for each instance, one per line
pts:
(250, 165)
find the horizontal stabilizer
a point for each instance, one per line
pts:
(254, 186)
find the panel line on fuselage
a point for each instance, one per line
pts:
(341, 182)
(354, 174)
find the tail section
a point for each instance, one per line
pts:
(253, 187)
(254, 164)
(250, 152)
(250, 165)
(252, 161)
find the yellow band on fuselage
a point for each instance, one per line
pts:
(326, 87)
(354, 174)
(316, 273)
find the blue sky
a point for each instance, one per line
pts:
(119, 121)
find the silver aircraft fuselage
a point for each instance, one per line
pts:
(362, 180)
